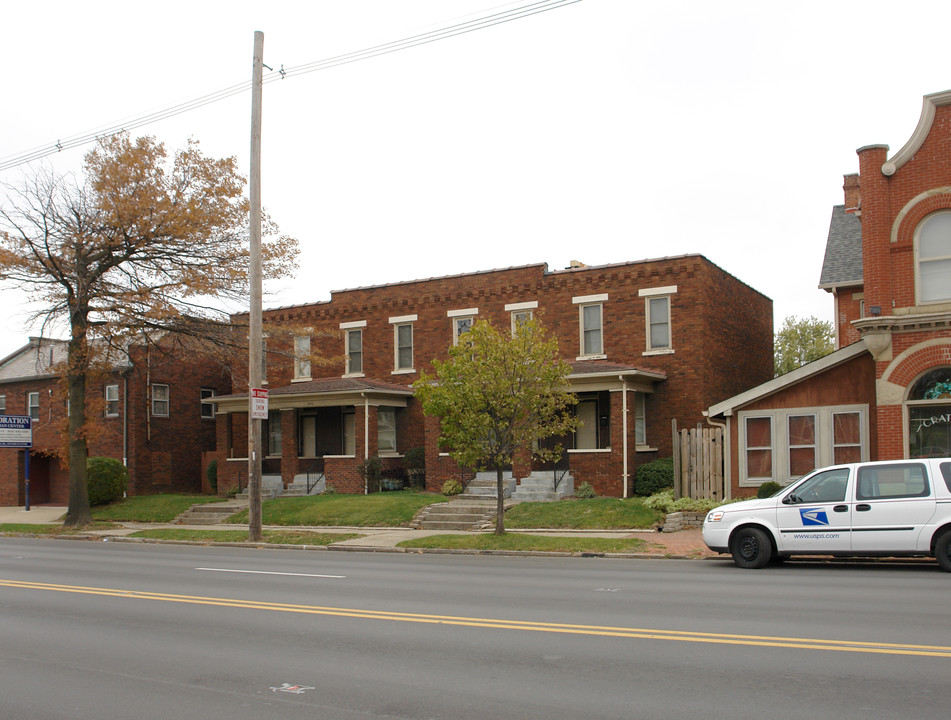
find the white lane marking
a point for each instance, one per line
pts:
(266, 572)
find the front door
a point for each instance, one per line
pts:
(815, 515)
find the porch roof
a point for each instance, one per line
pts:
(598, 375)
(323, 392)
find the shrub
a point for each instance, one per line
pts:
(664, 502)
(585, 491)
(371, 470)
(451, 487)
(106, 480)
(768, 488)
(653, 477)
(211, 472)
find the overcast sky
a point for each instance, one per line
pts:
(603, 131)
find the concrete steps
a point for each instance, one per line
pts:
(460, 513)
(540, 487)
(210, 513)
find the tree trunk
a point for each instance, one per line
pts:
(500, 503)
(78, 512)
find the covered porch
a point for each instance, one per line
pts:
(318, 433)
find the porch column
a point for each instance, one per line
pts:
(290, 460)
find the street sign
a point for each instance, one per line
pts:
(16, 431)
(259, 403)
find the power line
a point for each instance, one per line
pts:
(134, 122)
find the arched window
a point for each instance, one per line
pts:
(933, 258)
(929, 415)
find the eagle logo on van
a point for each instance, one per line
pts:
(813, 516)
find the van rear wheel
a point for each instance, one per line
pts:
(942, 550)
(752, 549)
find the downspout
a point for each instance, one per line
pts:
(727, 456)
(624, 433)
(366, 440)
(148, 392)
(125, 420)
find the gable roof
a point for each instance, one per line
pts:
(33, 360)
(842, 264)
(809, 370)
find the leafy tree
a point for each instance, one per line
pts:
(498, 394)
(801, 341)
(142, 248)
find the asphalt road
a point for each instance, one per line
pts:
(113, 630)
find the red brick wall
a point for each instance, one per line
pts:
(721, 332)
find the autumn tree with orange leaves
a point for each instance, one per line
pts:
(146, 246)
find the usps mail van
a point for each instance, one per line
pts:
(888, 508)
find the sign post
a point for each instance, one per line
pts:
(16, 431)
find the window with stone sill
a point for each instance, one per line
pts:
(933, 258)
(112, 400)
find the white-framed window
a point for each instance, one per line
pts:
(462, 322)
(112, 400)
(274, 433)
(302, 357)
(353, 347)
(785, 444)
(386, 429)
(207, 408)
(657, 316)
(758, 443)
(403, 343)
(3, 404)
(640, 419)
(33, 405)
(521, 312)
(591, 325)
(933, 258)
(801, 431)
(159, 400)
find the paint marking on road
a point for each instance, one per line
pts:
(269, 572)
(854, 646)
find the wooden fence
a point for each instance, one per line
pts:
(698, 462)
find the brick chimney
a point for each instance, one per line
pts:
(853, 197)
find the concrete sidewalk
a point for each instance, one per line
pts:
(682, 544)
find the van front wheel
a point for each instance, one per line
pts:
(752, 549)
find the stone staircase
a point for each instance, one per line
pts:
(210, 513)
(540, 487)
(460, 513)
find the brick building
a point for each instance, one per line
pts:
(886, 392)
(148, 413)
(648, 342)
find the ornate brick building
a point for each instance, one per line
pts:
(886, 392)
(648, 342)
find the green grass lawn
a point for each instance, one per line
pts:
(276, 537)
(162, 508)
(48, 529)
(594, 513)
(521, 541)
(390, 509)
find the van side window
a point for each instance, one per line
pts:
(826, 486)
(946, 472)
(879, 482)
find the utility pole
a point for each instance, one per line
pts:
(255, 349)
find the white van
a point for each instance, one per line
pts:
(891, 508)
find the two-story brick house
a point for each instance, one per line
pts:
(147, 411)
(647, 341)
(886, 392)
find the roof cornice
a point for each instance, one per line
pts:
(928, 106)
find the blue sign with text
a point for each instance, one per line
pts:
(16, 431)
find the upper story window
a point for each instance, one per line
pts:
(3, 404)
(160, 400)
(353, 346)
(521, 312)
(33, 405)
(207, 408)
(657, 314)
(590, 318)
(302, 357)
(462, 322)
(403, 342)
(933, 255)
(112, 400)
